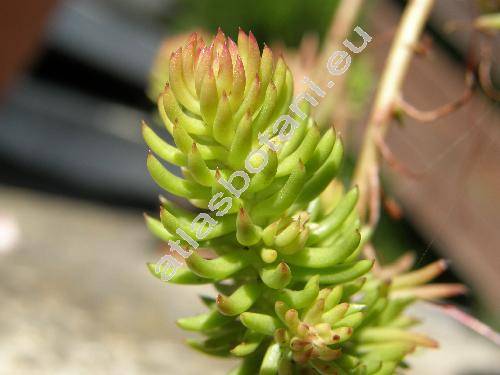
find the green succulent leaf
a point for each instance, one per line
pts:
(268, 225)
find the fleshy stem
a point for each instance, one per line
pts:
(387, 95)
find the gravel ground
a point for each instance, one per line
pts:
(76, 298)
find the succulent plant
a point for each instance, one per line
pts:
(284, 241)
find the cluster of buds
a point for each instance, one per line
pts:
(294, 291)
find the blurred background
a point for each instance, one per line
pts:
(76, 297)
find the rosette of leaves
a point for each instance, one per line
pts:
(294, 294)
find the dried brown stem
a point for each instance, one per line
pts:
(471, 322)
(345, 16)
(391, 159)
(396, 68)
(392, 207)
(342, 24)
(484, 73)
(374, 196)
(444, 110)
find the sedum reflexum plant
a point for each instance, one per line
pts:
(295, 295)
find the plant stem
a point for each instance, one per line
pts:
(396, 68)
(340, 28)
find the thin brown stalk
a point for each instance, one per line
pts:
(396, 68)
(342, 24)
(374, 196)
(392, 207)
(471, 322)
(392, 160)
(444, 110)
(484, 73)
